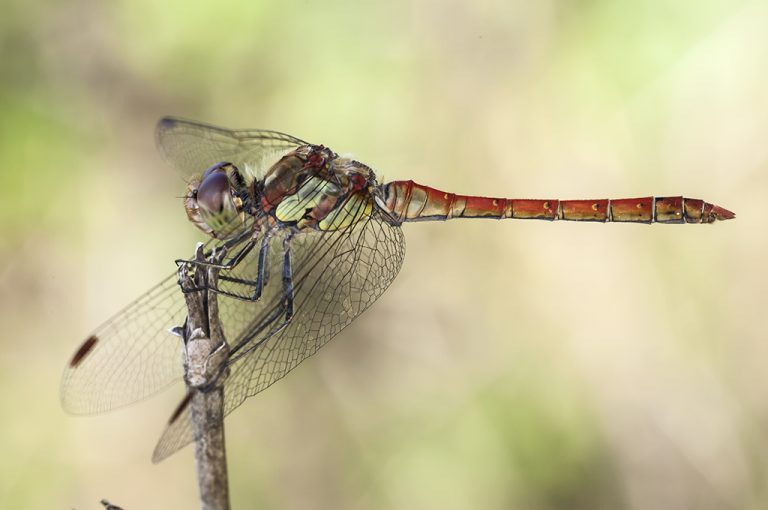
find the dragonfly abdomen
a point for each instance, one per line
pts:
(409, 201)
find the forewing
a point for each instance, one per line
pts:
(129, 357)
(337, 275)
(192, 147)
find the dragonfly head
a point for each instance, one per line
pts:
(212, 201)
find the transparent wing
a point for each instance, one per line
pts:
(192, 147)
(337, 275)
(129, 357)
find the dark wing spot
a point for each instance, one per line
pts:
(180, 409)
(166, 123)
(83, 351)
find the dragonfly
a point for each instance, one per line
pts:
(310, 240)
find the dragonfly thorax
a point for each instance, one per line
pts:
(313, 188)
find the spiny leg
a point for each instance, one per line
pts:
(263, 269)
(261, 275)
(227, 266)
(201, 264)
(261, 272)
(284, 308)
(287, 279)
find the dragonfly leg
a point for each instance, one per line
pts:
(261, 276)
(287, 279)
(262, 270)
(245, 237)
(236, 259)
(284, 309)
(229, 265)
(232, 263)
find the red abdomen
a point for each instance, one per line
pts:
(409, 201)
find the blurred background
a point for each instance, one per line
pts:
(511, 364)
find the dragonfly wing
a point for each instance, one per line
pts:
(132, 355)
(129, 357)
(337, 275)
(177, 434)
(193, 147)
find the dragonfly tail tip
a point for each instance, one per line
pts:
(721, 213)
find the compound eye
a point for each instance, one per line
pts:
(213, 190)
(221, 166)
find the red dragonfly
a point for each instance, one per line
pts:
(311, 239)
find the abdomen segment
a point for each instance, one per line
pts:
(409, 201)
